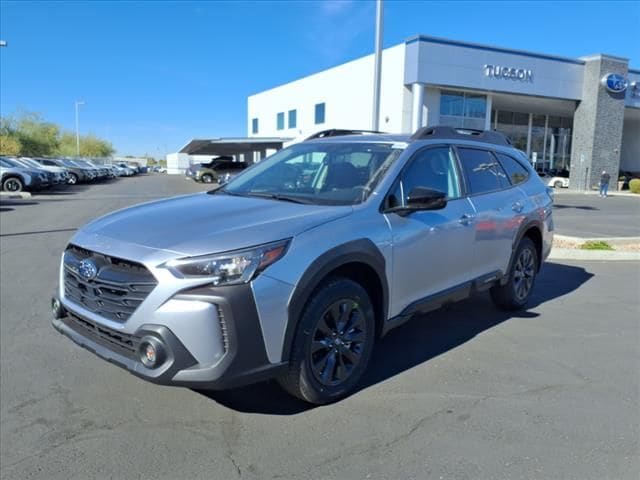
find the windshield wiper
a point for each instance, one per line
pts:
(277, 196)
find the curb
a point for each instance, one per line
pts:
(615, 193)
(578, 254)
(609, 240)
(15, 196)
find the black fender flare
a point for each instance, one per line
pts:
(359, 251)
(524, 228)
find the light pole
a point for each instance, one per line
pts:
(78, 103)
(375, 121)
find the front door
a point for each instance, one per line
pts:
(431, 249)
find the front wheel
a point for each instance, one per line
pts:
(73, 179)
(557, 184)
(13, 185)
(206, 178)
(333, 343)
(515, 294)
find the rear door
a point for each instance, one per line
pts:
(498, 204)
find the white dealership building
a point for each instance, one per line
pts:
(577, 113)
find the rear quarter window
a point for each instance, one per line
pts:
(516, 172)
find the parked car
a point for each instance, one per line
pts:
(296, 266)
(60, 175)
(128, 171)
(556, 178)
(214, 170)
(100, 171)
(77, 173)
(15, 177)
(52, 179)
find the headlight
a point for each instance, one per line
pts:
(229, 268)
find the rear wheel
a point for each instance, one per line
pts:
(557, 184)
(515, 294)
(12, 184)
(207, 178)
(333, 344)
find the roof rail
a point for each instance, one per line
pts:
(338, 132)
(444, 132)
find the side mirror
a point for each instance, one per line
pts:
(422, 198)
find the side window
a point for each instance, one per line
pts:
(431, 168)
(482, 170)
(515, 171)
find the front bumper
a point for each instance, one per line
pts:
(212, 336)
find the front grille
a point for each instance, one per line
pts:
(122, 343)
(118, 289)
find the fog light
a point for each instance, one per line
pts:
(151, 352)
(57, 309)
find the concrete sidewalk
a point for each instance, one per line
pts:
(14, 196)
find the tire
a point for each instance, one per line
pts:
(323, 349)
(12, 184)
(557, 184)
(73, 179)
(515, 294)
(207, 178)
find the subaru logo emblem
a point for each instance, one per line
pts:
(614, 82)
(87, 269)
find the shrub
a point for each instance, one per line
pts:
(634, 185)
(596, 245)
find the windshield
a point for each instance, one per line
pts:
(12, 162)
(31, 163)
(84, 163)
(341, 173)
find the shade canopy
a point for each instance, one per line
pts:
(232, 146)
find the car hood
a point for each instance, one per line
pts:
(54, 169)
(200, 224)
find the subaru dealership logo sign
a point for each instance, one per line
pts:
(614, 82)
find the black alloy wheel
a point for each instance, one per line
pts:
(515, 293)
(333, 343)
(338, 342)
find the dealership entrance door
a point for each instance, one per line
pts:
(540, 127)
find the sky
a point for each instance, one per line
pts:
(155, 74)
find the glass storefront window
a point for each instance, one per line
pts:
(451, 104)
(475, 106)
(515, 126)
(463, 110)
(550, 139)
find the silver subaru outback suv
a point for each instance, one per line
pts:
(294, 268)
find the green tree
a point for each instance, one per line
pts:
(90, 146)
(9, 145)
(36, 136)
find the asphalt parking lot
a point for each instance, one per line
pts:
(589, 216)
(463, 393)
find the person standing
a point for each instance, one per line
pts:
(604, 183)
